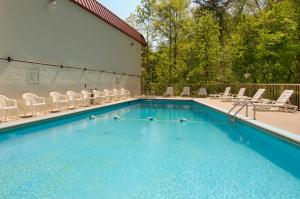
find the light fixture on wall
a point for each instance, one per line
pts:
(52, 3)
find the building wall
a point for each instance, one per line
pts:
(67, 35)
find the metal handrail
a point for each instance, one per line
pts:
(243, 105)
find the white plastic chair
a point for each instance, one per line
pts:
(186, 91)
(8, 104)
(111, 96)
(33, 101)
(118, 94)
(100, 97)
(75, 98)
(126, 93)
(59, 99)
(87, 97)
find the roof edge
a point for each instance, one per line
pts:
(110, 18)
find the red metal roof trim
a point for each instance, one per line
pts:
(103, 13)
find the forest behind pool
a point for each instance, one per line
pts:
(219, 41)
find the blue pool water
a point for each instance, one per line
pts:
(132, 157)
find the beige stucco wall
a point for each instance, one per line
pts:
(67, 35)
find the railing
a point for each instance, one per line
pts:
(241, 105)
(272, 92)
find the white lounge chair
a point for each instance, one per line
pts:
(169, 92)
(33, 101)
(126, 93)
(111, 96)
(202, 92)
(118, 94)
(226, 93)
(8, 104)
(281, 104)
(100, 97)
(238, 96)
(186, 91)
(75, 98)
(88, 97)
(255, 99)
(58, 99)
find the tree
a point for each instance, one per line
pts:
(170, 23)
(217, 41)
(143, 20)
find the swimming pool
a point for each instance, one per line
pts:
(131, 156)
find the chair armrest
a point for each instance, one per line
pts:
(40, 99)
(63, 97)
(12, 101)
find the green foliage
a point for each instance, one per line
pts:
(267, 47)
(219, 41)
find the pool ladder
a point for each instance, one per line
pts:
(242, 104)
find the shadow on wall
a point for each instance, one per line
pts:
(18, 78)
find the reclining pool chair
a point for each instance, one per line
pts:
(186, 91)
(169, 92)
(238, 96)
(225, 94)
(281, 104)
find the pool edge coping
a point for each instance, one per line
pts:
(11, 125)
(278, 132)
(274, 131)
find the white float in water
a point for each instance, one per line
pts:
(116, 117)
(182, 120)
(150, 118)
(92, 117)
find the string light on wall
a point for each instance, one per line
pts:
(10, 59)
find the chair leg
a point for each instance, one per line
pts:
(34, 111)
(17, 113)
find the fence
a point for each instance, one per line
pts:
(272, 92)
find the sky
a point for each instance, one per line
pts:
(121, 8)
